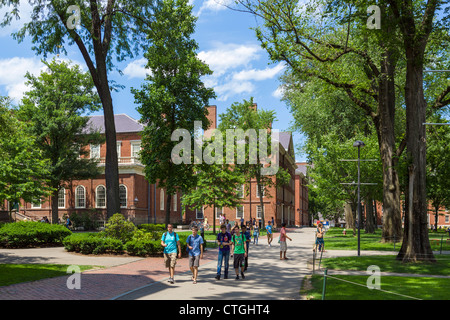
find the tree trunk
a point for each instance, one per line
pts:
(416, 244)
(350, 222)
(54, 204)
(169, 199)
(385, 124)
(370, 227)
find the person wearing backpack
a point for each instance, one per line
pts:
(224, 241)
(239, 251)
(195, 245)
(170, 241)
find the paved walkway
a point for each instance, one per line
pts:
(134, 278)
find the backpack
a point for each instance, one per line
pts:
(242, 236)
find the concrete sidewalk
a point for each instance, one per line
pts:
(130, 278)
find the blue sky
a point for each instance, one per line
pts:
(241, 67)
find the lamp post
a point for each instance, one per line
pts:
(359, 144)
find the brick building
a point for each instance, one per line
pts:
(142, 202)
(301, 195)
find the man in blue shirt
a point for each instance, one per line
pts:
(170, 241)
(195, 245)
(224, 241)
(269, 233)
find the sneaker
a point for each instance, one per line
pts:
(225, 276)
(237, 278)
(242, 275)
(171, 280)
(217, 277)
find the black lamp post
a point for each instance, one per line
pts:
(359, 144)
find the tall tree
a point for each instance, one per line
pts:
(417, 22)
(23, 169)
(100, 30)
(329, 41)
(251, 130)
(173, 97)
(53, 109)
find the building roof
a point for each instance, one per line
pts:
(301, 168)
(124, 123)
(285, 139)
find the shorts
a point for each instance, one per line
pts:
(194, 261)
(270, 235)
(170, 259)
(239, 260)
(319, 241)
(283, 246)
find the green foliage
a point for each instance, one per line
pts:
(89, 220)
(91, 243)
(23, 169)
(31, 234)
(118, 228)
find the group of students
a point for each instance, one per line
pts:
(232, 243)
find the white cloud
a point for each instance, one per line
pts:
(229, 56)
(136, 69)
(224, 91)
(13, 71)
(12, 74)
(214, 5)
(278, 93)
(259, 75)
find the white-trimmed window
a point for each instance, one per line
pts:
(100, 197)
(219, 211)
(135, 148)
(447, 218)
(175, 202)
(95, 151)
(62, 198)
(199, 213)
(257, 191)
(239, 212)
(259, 212)
(240, 191)
(123, 196)
(80, 197)
(161, 200)
(119, 148)
(37, 204)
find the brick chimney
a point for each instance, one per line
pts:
(212, 116)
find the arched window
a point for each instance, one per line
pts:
(100, 197)
(161, 200)
(123, 196)
(80, 197)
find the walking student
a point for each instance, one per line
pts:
(255, 235)
(171, 241)
(319, 237)
(247, 235)
(239, 251)
(224, 241)
(195, 245)
(269, 233)
(283, 244)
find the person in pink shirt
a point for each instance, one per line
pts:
(283, 245)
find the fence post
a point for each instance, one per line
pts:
(324, 283)
(442, 238)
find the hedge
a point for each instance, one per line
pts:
(25, 234)
(91, 243)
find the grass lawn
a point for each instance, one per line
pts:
(421, 288)
(17, 273)
(334, 239)
(389, 264)
(418, 287)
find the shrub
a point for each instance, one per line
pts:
(31, 234)
(118, 228)
(91, 243)
(150, 227)
(89, 220)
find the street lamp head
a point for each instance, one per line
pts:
(358, 143)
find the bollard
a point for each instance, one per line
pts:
(324, 283)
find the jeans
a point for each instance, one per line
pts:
(225, 256)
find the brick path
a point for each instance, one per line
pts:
(99, 284)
